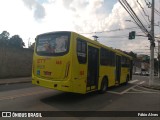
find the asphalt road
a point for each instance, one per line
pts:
(10, 87)
(131, 97)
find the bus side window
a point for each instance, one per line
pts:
(107, 58)
(103, 57)
(112, 59)
(81, 51)
(125, 62)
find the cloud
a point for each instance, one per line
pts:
(39, 10)
(82, 16)
(117, 19)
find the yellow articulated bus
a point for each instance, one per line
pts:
(70, 62)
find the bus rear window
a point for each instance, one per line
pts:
(52, 44)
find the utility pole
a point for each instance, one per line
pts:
(158, 59)
(152, 46)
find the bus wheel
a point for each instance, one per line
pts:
(103, 86)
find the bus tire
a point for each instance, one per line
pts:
(104, 86)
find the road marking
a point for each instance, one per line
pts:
(132, 81)
(126, 90)
(136, 90)
(132, 87)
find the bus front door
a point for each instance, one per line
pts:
(118, 69)
(93, 68)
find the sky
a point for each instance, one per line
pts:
(28, 18)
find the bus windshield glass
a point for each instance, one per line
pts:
(52, 44)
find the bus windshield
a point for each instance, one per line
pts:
(52, 44)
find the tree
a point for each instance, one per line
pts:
(4, 37)
(134, 55)
(16, 41)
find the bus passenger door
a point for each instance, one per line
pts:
(131, 68)
(118, 69)
(93, 68)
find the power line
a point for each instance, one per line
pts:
(148, 3)
(128, 8)
(114, 30)
(113, 36)
(114, 41)
(157, 12)
(149, 6)
(147, 10)
(137, 21)
(144, 12)
(118, 36)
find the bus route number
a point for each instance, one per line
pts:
(41, 61)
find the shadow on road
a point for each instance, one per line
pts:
(79, 102)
